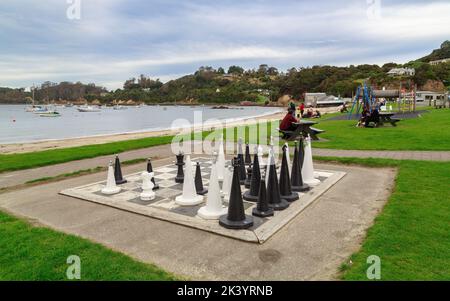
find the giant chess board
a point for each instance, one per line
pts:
(164, 207)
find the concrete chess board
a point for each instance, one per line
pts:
(164, 207)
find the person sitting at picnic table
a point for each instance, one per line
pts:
(317, 114)
(309, 113)
(301, 108)
(288, 122)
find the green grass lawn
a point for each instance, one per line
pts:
(412, 234)
(37, 253)
(429, 132)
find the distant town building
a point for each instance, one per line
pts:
(322, 99)
(402, 71)
(437, 62)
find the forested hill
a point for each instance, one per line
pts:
(261, 85)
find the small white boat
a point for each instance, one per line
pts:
(117, 107)
(50, 114)
(88, 109)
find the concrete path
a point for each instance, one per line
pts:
(311, 246)
(163, 151)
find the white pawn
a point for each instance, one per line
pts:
(308, 168)
(189, 196)
(147, 193)
(213, 208)
(111, 187)
(226, 186)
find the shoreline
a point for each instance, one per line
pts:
(43, 145)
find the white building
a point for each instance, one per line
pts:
(429, 98)
(402, 71)
(437, 62)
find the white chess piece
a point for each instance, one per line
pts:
(213, 208)
(147, 193)
(260, 156)
(111, 187)
(288, 157)
(189, 196)
(220, 163)
(308, 168)
(226, 186)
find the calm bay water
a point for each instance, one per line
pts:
(17, 125)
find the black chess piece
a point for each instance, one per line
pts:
(301, 152)
(236, 217)
(118, 172)
(262, 208)
(252, 194)
(273, 189)
(285, 181)
(242, 172)
(199, 181)
(150, 169)
(248, 158)
(180, 172)
(248, 180)
(296, 174)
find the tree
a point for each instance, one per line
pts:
(220, 70)
(235, 70)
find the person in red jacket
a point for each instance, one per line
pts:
(287, 124)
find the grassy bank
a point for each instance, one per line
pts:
(428, 132)
(36, 253)
(412, 234)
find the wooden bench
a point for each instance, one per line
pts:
(303, 129)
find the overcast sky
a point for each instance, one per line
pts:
(114, 40)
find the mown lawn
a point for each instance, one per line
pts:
(428, 132)
(412, 234)
(37, 253)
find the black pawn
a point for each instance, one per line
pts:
(273, 190)
(150, 169)
(285, 180)
(236, 218)
(199, 181)
(180, 172)
(262, 209)
(252, 194)
(118, 172)
(301, 152)
(297, 180)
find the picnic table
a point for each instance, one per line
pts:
(386, 117)
(304, 128)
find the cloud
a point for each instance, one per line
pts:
(118, 39)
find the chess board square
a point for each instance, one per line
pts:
(166, 183)
(165, 176)
(186, 210)
(138, 201)
(165, 169)
(168, 193)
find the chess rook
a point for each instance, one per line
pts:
(236, 217)
(118, 172)
(150, 170)
(179, 163)
(111, 187)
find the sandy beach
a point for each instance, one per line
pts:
(73, 142)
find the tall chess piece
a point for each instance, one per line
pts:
(118, 172)
(111, 187)
(308, 168)
(150, 170)
(226, 184)
(285, 181)
(147, 193)
(248, 164)
(269, 158)
(262, 208)
(242, 172)
(180, 173)
(236, 217)
(189, 196)
(301, 151)
(213, 208)
(296, 179)
(273, 189)
(260, 156)
(252, 194)
(199, 181)
(221, 160)
(288, 158)
(248, 158)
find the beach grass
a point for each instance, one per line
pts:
(29, 252)
(411, 235)
(430, 131)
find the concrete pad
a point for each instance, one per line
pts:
(311, 246)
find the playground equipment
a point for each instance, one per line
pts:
(367, 98)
